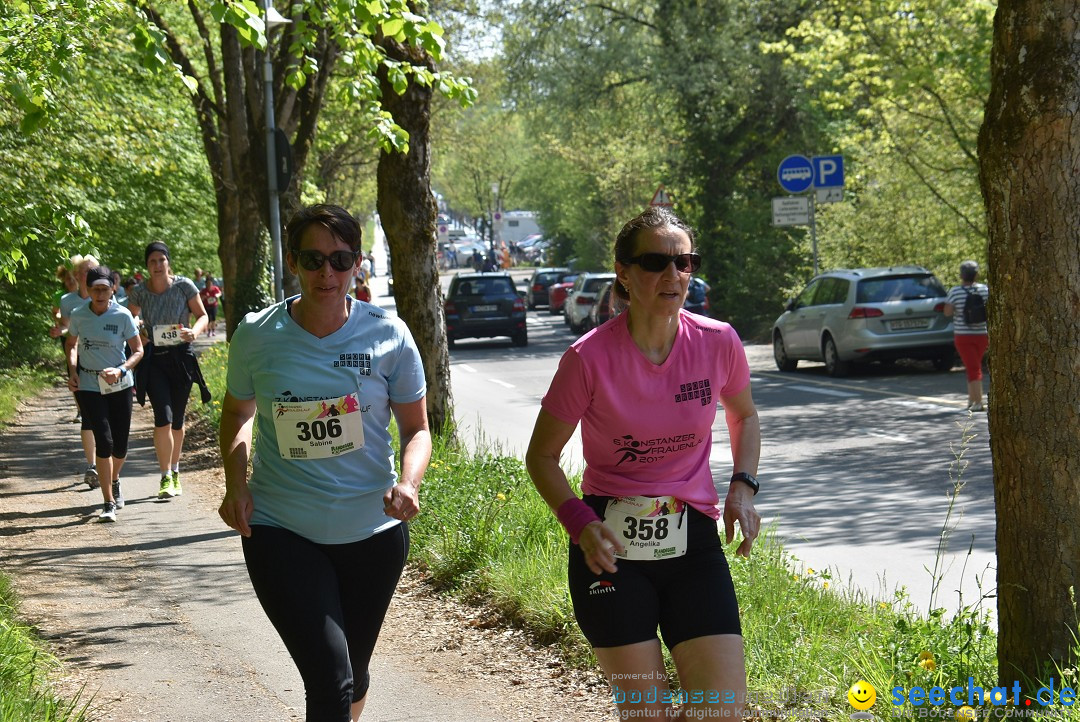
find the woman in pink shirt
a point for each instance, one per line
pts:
(645, 549)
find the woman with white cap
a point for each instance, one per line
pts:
(101, 378)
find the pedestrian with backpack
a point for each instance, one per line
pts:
(966, 305)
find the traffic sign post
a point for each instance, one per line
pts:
(661, 198)
(796, 174)
(791, 211)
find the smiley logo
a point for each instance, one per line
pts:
(862, 695)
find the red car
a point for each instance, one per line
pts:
(557, 294)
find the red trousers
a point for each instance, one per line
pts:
(972, 348)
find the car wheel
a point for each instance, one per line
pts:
(833, 365)
(521, 338)
(779, 352)
(945, 361)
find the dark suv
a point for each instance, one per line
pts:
(542, 279)
(481, 305)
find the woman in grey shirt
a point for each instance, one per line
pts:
(165, 303)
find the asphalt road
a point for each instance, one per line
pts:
(856, 473)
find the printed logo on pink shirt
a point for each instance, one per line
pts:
(651, 451)
(694, 391)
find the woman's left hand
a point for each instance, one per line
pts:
(402, 501)
(739, 507)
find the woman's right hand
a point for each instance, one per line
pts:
(599, 543)
(236, 509)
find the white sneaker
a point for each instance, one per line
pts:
(976, 408)
(108, 512)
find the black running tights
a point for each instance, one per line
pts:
(327, 602)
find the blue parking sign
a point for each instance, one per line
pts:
(795, 173)
(828, 171)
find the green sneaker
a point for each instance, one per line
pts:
(165, 490)
(177, 490)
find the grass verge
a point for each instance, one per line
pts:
(25, 692)
(22, 382)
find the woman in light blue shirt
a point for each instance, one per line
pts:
(320, 375)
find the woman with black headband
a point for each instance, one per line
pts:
(165, 303)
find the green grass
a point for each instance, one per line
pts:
(25, 693)
(486, 535)
(22, 382)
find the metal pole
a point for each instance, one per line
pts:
(271, 161)
(813, 227)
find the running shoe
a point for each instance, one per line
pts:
(165, 490)
(117, 495)
(90, 476)
(177, 490)
(108, 512)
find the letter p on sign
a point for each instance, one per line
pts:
(828, 171)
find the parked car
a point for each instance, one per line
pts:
(865, 314)
(557, 293)
(537, 292)
(607, 306)
(582, 297)
(482, 305)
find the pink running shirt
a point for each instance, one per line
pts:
(646, 429)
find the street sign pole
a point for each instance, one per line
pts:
(813, 229)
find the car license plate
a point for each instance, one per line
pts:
(484, 308)
(905, 324)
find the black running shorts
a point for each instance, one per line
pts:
(686, 597)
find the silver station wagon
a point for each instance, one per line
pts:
(866, 314)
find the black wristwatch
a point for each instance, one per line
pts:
(747, 479)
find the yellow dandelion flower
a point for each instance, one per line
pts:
(928, 664)
(825, 585)
(809, 570)
(883, 605)
(925, 655)
(500, 496)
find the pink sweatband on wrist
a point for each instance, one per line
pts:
(574, 514)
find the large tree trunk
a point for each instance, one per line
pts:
(1029, 150)
(407, 210)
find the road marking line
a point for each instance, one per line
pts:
(502, 383)
(891, 437)
(826, 392)
(898, 394)
(465, 367)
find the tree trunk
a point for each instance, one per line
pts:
(407, 210)
(1029, 151)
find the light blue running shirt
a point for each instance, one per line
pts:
(101, 340)
(272, 359)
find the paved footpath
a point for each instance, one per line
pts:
(155, 614)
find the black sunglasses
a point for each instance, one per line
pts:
(339, 260)
(657, 262)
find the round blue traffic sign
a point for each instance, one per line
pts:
(795, 173)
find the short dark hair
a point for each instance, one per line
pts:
(968, 271)
(335, 219)
(651, 217)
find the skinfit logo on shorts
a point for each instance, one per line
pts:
(602, 587)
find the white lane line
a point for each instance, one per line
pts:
(465, 367)
(502, 383)
(890, 436)
(824, 392)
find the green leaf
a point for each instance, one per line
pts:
(392, 28)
